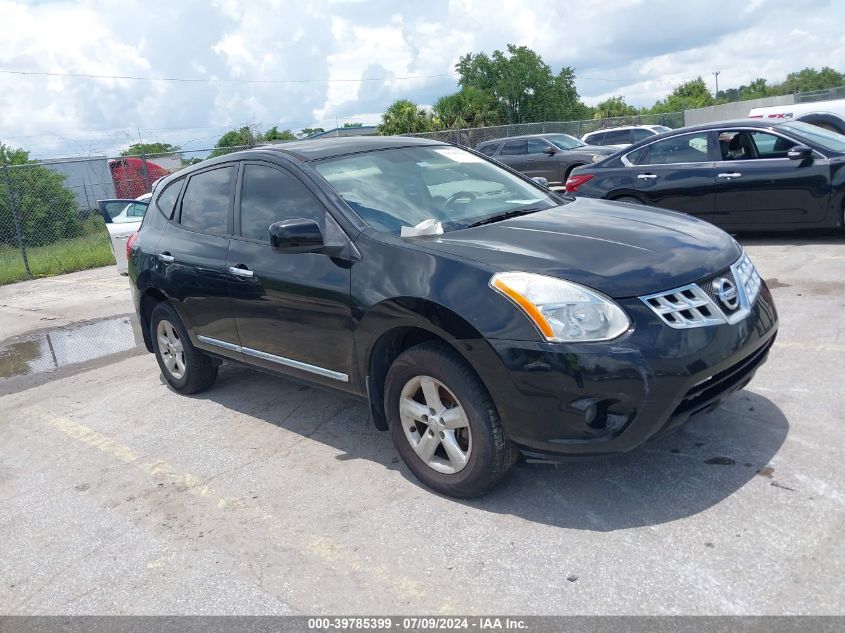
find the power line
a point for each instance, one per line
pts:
(6, 71)
(630, 81)
(38, 73)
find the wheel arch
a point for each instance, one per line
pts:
(570, 168)
(149, 299)
(395, 325)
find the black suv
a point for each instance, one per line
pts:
(480, 314)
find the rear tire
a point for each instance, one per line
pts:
(184, 367)
(444, 423)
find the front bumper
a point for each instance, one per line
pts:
(604, 398)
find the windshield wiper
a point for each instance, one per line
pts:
(504, 215)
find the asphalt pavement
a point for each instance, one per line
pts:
(265, 496)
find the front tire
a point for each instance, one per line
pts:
(444, 423)
(184, 367)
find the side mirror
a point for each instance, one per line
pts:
(296, 235)
(551, 151)
(799, 152)
(541, 181)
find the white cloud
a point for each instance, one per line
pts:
(646, 47)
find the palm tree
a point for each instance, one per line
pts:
(404, 117)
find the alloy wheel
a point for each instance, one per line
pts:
(435, 424)
(170, 348)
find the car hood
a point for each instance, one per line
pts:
(622, 250)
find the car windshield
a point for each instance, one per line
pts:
(820, 136)
(564, 141)
(393, 188)
(661, 128)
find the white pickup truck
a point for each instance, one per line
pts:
(826, 114)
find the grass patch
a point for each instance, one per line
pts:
(89, 251)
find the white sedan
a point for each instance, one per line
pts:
(123, 218)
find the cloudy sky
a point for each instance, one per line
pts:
(313, 56)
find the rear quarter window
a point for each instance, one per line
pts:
(166, 201)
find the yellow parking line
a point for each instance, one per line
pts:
(321, 548)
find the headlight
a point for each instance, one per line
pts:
(747, 275)
(563, 311)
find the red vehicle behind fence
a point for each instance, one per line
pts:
(133, 176)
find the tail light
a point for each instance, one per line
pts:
(130, 244)
(576, 180)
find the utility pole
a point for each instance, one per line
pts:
(716, 75)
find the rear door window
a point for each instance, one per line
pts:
(617, 137)
(514, 148)
(115, 208)
(207, 199)
(687, 148)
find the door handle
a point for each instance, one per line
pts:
(733, 174)
(647, 176)
(237, 271)
(166, 257)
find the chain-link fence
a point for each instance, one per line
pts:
(820, 95)
(471, 137)
(50, 221)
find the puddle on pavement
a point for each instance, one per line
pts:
(47, 351)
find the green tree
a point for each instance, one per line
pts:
(810, 79)
(756, 89)
(310, 131)
(469, 107)
(689, 95)
(233, 138)
(522, 85)
(47, 210)
(613, 107)
(137, 149)
(273, 134)
(405, 117)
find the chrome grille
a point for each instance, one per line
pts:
(702, 303)
(684, 307)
